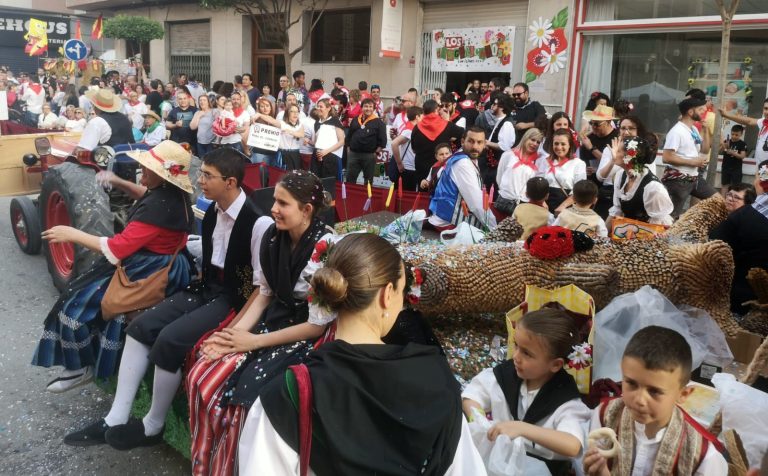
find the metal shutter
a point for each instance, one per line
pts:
(190, 45)
(474, 14)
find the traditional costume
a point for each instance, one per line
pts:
(377, 409)
(682, 447)
(647, 200)
(556, 406)
(561, 175)
(74, 333)
(221, 392)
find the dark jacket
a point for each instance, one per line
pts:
(366, 138)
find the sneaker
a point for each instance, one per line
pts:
(62, 384)
(131, 435)
(92, 434)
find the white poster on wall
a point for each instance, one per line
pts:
(391, 28)
(264, 137)
(3, 106)
(473, 49)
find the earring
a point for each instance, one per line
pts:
(385, 315)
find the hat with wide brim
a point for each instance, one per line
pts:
(601, 113)
(152, 114)
(104, 99)
(169, 160)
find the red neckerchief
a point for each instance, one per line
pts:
(237, 111)
(36, 88)
(432, 125)
(530, 162)
(408, 126)
(764, 129)
(315, 95)
(454, 116)
(552, 165)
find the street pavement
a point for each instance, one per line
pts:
(33, 421)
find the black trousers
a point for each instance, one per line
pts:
(173, 327)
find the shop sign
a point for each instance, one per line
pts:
(473, 49)
(14, 27)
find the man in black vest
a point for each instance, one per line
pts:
(165, 333)
(109, 127)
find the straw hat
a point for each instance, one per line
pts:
(169, 160)
(105, 100)
(601, 113)
(152, 114)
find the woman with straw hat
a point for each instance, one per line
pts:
(75, 335)
(154, 129)
(109, 126)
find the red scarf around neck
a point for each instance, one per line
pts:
(432, 125)
(530, 160)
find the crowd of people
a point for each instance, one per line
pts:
(287, 319)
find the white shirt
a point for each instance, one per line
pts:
(85, 105)
(134, 113)
(407, 155)
(242, 121)
(34, 101)
(512, 178)
(302, 116)
(466, 176)
(506, 138)
(592, 224)
(287, 140)
(75, 125)
(762, 137)
(398, 124)
(656, 199)
(47, 121)
(96, 132)
(309, 132)
(301, 290)
(225, 221)
(571, 417)
(326, 137)
(604, 161)
(565, 175)
(155, 137)
(263, 451)
(646, 449)
(680, 140)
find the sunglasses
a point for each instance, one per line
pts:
(595, 123)
(517, 95)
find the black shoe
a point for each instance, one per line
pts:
(131, 435)
(92, 434)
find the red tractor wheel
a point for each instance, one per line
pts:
(26, 225)
(70, 196)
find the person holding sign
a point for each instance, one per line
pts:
(328, 140)
(264, 137)
(367, 137)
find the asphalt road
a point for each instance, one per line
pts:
(33, 421)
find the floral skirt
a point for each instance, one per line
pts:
(74, 334)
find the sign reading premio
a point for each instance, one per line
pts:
(473, 49)
(264, 137)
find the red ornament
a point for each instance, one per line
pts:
(631, 152)
(417, 277)
(174, 169)
(550, 242)
(320, 249)
(536, 60)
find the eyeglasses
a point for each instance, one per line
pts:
(627, 129)
(517, 95)
(595, 123)
(205, 176)
(734, 196)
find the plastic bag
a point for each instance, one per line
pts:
(629, 313)
(507, 457)
(463, 234)
(745, 410)
(406, 229)
(501, 457)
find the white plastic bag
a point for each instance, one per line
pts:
(507, 457)
(501, 457)
(745, 410)
(630, 312)
(463, 234)
(405, 229)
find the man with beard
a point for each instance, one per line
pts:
(526, 112)
(685, 151)
(461, 183)
(448, 110)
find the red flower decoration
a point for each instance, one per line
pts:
(558, 41)
(631, 152)
(417, 277)
(550, 242)
(320, 249)
(413, 299)
(174, 169)
(536, 60)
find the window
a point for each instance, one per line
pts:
(341, 36)
(655, 70)
(602, 10)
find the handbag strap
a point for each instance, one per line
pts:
(303, 400)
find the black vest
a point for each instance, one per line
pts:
(122, 129)
(634, 208)
(238, 273)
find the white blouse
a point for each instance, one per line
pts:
(571, 417)
(656, 199)
(512, 178)
(604, 161)
(263, 451)
(566, 174)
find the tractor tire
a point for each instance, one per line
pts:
(26, 225)
(70, 196)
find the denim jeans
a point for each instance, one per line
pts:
(203, 149)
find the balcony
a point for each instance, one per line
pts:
(119, 4)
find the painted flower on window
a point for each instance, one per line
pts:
(541, 32)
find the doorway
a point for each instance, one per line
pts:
(267, 60)
(458, 81)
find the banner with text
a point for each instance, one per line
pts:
(264, 137)
(391, 28)
(473, 49)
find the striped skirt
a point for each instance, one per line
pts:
(74, 334)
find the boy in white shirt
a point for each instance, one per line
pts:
(656, 436)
